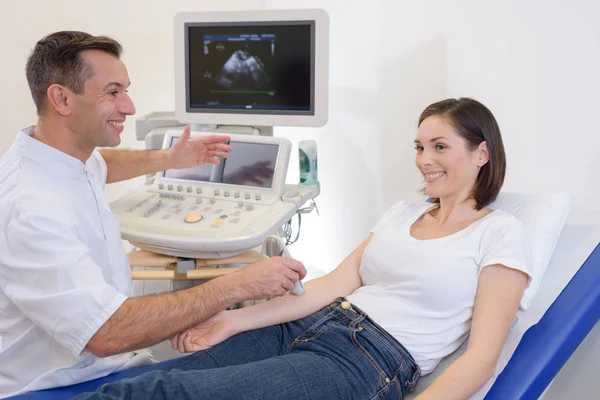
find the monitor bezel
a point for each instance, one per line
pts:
(320, 73)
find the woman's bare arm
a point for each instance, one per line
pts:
(319, 292)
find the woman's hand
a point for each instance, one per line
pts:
(205, 335)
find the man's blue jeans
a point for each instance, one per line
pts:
(335, 353)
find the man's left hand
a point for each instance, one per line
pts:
(188, 152)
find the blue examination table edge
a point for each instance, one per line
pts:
(546, 346)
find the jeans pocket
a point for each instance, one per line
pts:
(410, 368)
(369, 345)
(328, 321)
(387, 358)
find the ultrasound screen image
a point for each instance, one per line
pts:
(251, 68)
(243, 71)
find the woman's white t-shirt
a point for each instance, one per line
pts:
(423, 291)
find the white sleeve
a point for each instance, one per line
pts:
(48, 273)
(390, 214)
(506, 243)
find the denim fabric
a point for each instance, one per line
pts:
(335, 353)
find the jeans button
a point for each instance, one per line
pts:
(346, 305)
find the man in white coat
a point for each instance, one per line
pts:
(66, 314)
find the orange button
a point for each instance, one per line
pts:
(217, 223)
(191, 218)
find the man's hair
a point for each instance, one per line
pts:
(475, 123)
(56, 59)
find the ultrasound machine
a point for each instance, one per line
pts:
(240, 74)
(215, 211)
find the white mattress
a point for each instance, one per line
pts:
(580, 236)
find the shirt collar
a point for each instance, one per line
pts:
(50, 157)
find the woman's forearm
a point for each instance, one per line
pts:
(460, 380)
(342, 281)
(318, 293)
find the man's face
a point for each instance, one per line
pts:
(99, 112)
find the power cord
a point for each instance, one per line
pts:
(287, 227)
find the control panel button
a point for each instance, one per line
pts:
(161, 186)
(217, 192)
(217, 223)
(198, 190)
(247, 195)
(189, 189)
(223, 216)
(258, 196)
(192, 218)
(179, 188)
(226, 193)
(240, 204)
(236, 195)
(170, 187)
(212, 201)
(249, 206)
(198, 201)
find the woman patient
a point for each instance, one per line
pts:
(428, 275)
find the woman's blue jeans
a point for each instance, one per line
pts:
(335, 353)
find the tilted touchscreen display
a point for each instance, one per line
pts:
(249, 164)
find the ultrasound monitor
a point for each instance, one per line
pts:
(252, 68)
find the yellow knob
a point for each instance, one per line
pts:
(217, 223)
(191, 218)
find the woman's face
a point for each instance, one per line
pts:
(448, 167)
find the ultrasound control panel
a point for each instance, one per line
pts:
(214, 211)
